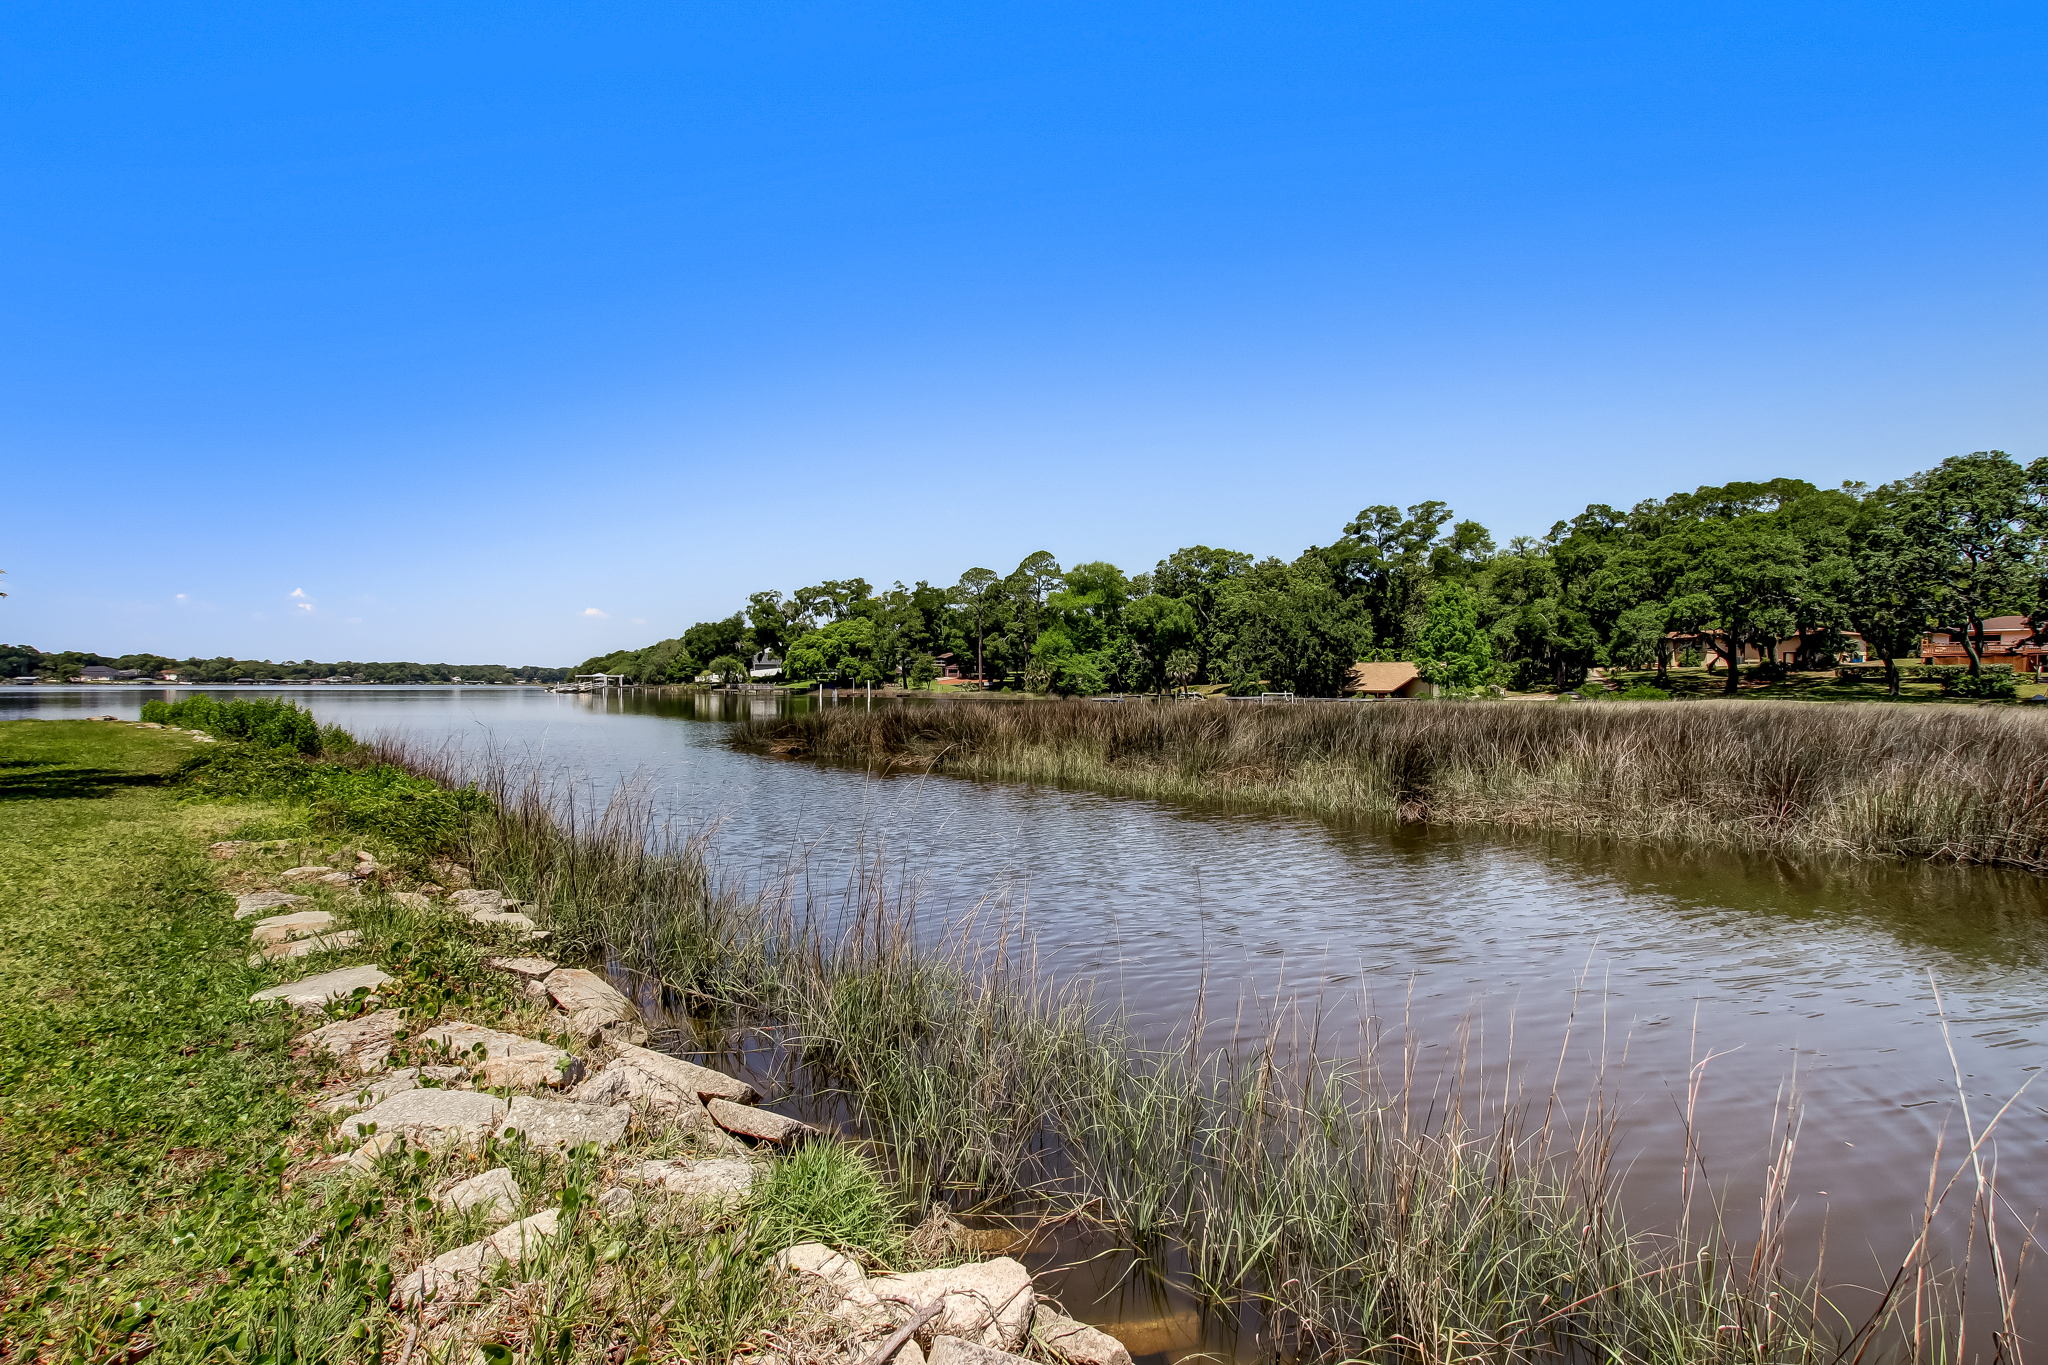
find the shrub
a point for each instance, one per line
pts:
(418, 816)
(269, 722)
(1993, 684)
(1643, 692)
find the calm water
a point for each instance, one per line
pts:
(1619, 968)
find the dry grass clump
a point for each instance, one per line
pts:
(1953, 783)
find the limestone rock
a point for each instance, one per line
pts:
(615, 1203)
(464, 1269)
(988, 1303)
(311, 872)
(504, 1059)
(365, 1157)
(837, 1273)
(450, 874)
(1076, 1341)
(297, 924)
(412, 900)
(256, 902)
(362, 1043)
(373, 1093)
(508, 919)
(305, 947)
(470, 902)
(557, 1125)
(663, 1085)
(710, 1180)
(698, 1082)
(525, 968)
(314, 992)
(960, 1351)
(759, 1124)
(432, 1118)
(592, 1005)
(495, 1194)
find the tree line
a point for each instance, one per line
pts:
(24, 661)
(1711, 574)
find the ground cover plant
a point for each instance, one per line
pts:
(1954, 784)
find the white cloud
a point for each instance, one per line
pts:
(181, 597)
(298, 592)
(593, 611)
(305, 606)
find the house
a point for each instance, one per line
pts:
(952, 673)
(169, 675)
(25, 680)
(1394, 679)
(766, 664)
(96, 673)
(2006, 642)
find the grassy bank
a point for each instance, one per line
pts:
(169, 1187)
(1951, 783)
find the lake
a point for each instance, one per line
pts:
(1616, 969)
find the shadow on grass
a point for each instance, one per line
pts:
(23, 779)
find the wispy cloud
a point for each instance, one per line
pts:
(593, 611)
(300, 600)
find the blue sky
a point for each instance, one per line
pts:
(463, 321)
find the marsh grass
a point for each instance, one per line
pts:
(1359, 1214)
(1955, 784)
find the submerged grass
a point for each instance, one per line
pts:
(1360, 1220)
(1956, 784)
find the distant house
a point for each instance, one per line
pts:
(766, 664)
(2007, 641)
(25, 680)
(1388, 680)
(96, 673)
(169, 675)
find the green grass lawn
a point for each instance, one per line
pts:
(1816, 686)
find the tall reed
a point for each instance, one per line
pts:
(1952, 783)
(1362, 1218)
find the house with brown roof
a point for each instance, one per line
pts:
(1388, 679)
(2006, 642)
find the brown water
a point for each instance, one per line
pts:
(1616, 968)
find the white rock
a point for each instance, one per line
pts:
(432, 1118)
(362, 1043)
(305, 947)
(412, 900)
(365, 1157)
(391, 1083)
(555, 1125)
(495, 1194)
(256, 902)
(816, 1261)
(948, 1350)
(464, 1269)
(581, 992)
(1076, 1341)
(503, 1059)
(297, 924)
(470, 902)
(525, 968)
(311, 872)
(988, 1303)
(710, 1180)
(508, 919)
(315, 992)
(687, 1078)
(760, 1124)
(614, 1204)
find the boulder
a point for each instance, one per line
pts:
(432, 1118)
(948, 1350)
(524, 968)
(305, 947)
(698, 1082)
(495, 1194)
(405, 1078)
(297, 924)
(589, 1001)
(1076, 1341)
(412, 900)
(504, 1059)
(463, 1270)
(311, 872)
(988, 1303)
(615, 1203)
(315, 992)
(662, 1084)
(256, 902)
(557, 1125)
(449, 874)
(710, 1181)
(507, 919)
(361, 1043)
(759, 1124)
(838, 1274)
(366, 1157)
(470, 902)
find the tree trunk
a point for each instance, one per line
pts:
(1733, 654)
(1891, 675)
(1664, 663)
(1972, 645)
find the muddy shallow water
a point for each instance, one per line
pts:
(1514, 958)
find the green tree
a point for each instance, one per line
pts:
(727, 668)
(841, 652)
(1452, 649)
(972, 592)
(1979, 517)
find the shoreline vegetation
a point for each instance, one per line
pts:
(1940, 783)
(170, 1191)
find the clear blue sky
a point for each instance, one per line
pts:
(463, 320)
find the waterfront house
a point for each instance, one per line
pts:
(96, 673)
(2006, 642)
(766, 664)
(1388, 679)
